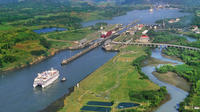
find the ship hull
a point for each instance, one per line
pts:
(50, 81)
(46, 83)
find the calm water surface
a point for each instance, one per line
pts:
(144, 16)
(47, 30)
(17, 93)
(177, 95)
(190, 39)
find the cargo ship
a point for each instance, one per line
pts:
(46, 78)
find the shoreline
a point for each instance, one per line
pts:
(61, 100)
(90, 76)
(154, 62)
(71, 90)
(57, 104)
(167, 98)
(39, 59)
(173, 79)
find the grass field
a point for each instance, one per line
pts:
(6, 27)
(111, 82)
(69, 35)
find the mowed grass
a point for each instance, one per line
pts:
(6, 27)
(111, 82)
(60, 44)
(70, 35)
(67, 37)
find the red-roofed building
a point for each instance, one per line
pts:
(140, 26)
(144, 38)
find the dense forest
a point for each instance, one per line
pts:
(17, 44)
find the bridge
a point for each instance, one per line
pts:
(158, 45)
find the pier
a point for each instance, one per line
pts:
(96, 44)
(66, 61)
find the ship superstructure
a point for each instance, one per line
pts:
(46, 78)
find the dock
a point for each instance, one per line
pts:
(66, 61)
(96, 44)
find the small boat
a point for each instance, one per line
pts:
(63, 79)
(151, 10)
(177, 106)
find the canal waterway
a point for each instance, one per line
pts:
(17, 93)
(144, 17)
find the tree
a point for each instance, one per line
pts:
(197, 89)
(45, 43)
(1, 63)
(9, 59)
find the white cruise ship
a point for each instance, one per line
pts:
(46, 78)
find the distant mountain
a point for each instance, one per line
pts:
(18, 1)
(183, 2)
(7, 1)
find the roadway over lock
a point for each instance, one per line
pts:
(159, 45)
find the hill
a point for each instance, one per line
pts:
(118, 2)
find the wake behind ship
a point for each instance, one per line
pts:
(46, 78)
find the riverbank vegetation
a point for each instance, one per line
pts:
(190, 71)
(138, 63)
(21, 46)
(118, 81)
(173, 79)
(166, 37)
(38, 14)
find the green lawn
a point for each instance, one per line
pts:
(6, 27)
(69, 35)
(60, 45)
(111, 82)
